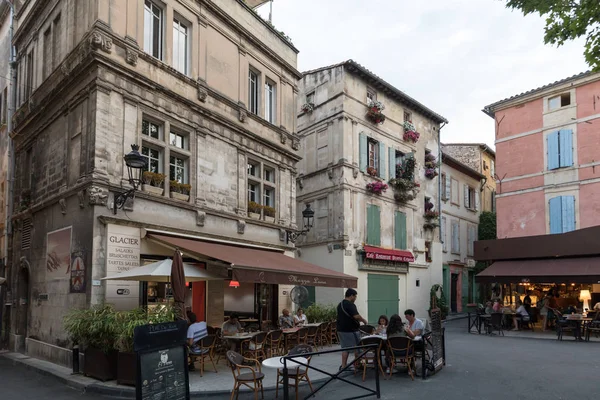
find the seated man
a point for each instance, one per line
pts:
(286, 321)
(415, 326)
(521, 314)
(230, 328)
(195, 333)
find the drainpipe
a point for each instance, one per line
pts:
(11, 102)
(439, 196)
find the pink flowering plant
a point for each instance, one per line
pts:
(377, 187)
(375, 113)
(430, 215)
(410, 132)
(430, 165)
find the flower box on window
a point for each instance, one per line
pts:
(372, 171)
(377, 187)
(153, 183)
(307, 107)
(254, 210)
(180, 191)
(410, 132)
(404, 185)
(431, 165)
(375, 113)
(269, 214)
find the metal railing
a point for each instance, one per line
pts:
(335, 376)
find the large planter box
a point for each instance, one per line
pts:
(179, 196)
(254, 215)
(270, 219)
(127, 369)
(157, 191)
(99, 365)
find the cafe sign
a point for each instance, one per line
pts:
(389, 257)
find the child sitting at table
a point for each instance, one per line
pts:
(382, 325)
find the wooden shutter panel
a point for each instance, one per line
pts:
(466, 192)
(566, 147)
(476, 200)
(373, 225)
(448, 187)
(555, 214)
(552, 150)
(465, 288)
(400, 230)
(443, 234)
(568, 213)
(392, 163)
(381, 171)
(363, 156)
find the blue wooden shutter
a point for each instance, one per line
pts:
(373, 225)
(392, 163)
(568, 213)
(381, 171)
(363, 152)
(555, 212)
(552, 150)
(566, 147)
(400, 230)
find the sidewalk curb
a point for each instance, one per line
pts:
(89, 385)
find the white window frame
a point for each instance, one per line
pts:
(181, 32)
(184, 168)
(373, 153)
(558, 98)
(149, 158)
(176, 136)
(270, 101)
(253, 91)
(159, 127)
(153, 11)
(263, 184)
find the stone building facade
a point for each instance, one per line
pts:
(481, 158)
(206, 89)
(373, 236)
(462, 190)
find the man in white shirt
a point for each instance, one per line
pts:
(195, 333)
(415, 326)
(521, 313)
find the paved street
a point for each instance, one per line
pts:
(479, 367)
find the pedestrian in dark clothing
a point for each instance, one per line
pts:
(348, 322)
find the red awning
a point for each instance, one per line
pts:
(262, 266)
(377, 253)
(554, 270)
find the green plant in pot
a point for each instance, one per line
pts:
(95, 329)
(438, 300)
(321, 313)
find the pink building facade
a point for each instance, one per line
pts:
(548, 158)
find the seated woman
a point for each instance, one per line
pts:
(395, 327)
(382, 325)
(300, 318)
(521, 314)
(488, 307)
(497, 307)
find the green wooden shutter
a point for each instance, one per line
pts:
(382, 296)
(465, 289)
(382, 172)
(373, 225)
(363, 156)
(392, 163)
(400, 230)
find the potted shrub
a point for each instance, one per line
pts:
(254, 210)
(430, 165)
(153, 183)
(319, 313)
(372, 171)
(307, 108)
(95, 329)
(180, 191)
(431, 219)
(269, 214)
(436, 301)
(127, 322)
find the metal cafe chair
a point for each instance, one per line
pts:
(373, 357)
(297, 374)
(401, 351)
(253, 379)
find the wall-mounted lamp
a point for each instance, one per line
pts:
(136, 164)
(234, 284)
(308, 216)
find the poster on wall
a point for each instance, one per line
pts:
(58, 254)
(122, 254)
(77, 273)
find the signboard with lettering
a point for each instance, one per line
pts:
(389, 257)
(161, 361)
(122, 254)
(397, 267)
(437, 340)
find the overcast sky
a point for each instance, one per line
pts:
(454, 56)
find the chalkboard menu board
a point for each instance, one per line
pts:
(162, 361)
(437, 340)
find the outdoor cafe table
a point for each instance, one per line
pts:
(579, 324)
(239, 337)
(277, 362)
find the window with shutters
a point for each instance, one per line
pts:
(493, 169)
(471, 235)
(400, 230)
(455, 246)
(371, 95)
(559, 101)
(373, 225)
(471, 198)
(454, 193)
(561, 213)
(445, 187)
(443, 235)
(559, 149)
(372, 156)
(373, 153)
(399, 161)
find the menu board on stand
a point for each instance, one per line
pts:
(437, 341)
(162, 368)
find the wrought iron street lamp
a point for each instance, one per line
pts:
(136, 164)
(308, 216)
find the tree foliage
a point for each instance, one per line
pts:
(567, 20)
(487, 226)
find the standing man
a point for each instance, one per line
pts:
(348, 322)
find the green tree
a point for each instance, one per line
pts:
(567, 20)
(487, 226)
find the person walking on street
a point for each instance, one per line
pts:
(348, 322)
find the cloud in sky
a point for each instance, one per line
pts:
(454, 56)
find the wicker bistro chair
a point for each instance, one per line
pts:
(324, 336)
(401, 351)
(312, 336)
(373, 358)
(563, 326)
(593, 327)
(274, 343)
(297, 374)
(299, 337)
(366, 330)
(252, 379)
(333, 336)
(495, 324)
(255, 347)
(206, 350)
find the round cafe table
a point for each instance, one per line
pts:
(277, 362)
